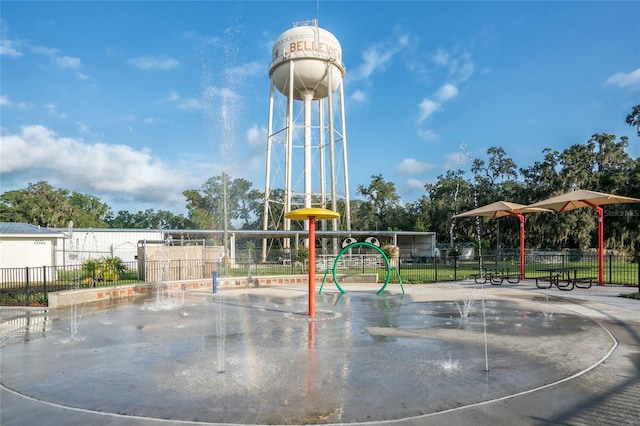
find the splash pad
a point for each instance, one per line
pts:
(363, 358)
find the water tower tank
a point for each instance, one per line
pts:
(314, 53)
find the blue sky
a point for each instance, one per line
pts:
(118, 99)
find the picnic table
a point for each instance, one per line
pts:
(565, 278)
(496, 274)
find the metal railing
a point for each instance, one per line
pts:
(31, 285)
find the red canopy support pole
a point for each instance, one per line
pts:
(312, 266)
(600, 245)
(521, 219)
(600, 240)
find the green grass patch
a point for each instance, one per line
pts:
(635, 295)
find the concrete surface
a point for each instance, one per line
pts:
(553, 357)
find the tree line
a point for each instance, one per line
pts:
(600, 164)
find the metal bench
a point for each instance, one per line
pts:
(584, 282)
(481, 278)
(512, 278)
(551, 279)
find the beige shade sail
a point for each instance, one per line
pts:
(582, 198)
(501, 208)
(585, 198)
(506, 208)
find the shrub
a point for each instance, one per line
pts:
(103, 269)
(390, 250)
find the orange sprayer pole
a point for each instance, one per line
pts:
(311, 214)
(312, 266)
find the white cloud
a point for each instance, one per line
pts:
(376, 57)
(154, 63)
(256, 136)
(61, 61)
(101, 169)
(415, 183)
(458, 65)
(8, 48)
(6, 102)
(192, 103)
(622, 79)
(68, 62)
(427, 107)
(446, 92)
(173, 96)
(428, 135)
(186, 103)
(461, 68)
(359, 97)
(441, 57)
(203, 38)
(247, 70)
(45, 51)
(222, 100)
(411, 166)
(54, 111)
(82, 127)
(257, 141)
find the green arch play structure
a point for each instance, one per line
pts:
(362, 244)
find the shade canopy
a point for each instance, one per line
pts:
(506, 208)
(585, 198)
(582, 198)
(501, 208)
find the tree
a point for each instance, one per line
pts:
(250, 203)
(89, 211)
(123, 219)
(380, 199)
(499, 168)
(494, 180)
(612, 163)
(633, 119)
(43, 205)
(207, 205)
(362, 216)
(419, 213)
(450, 195)
(149, 219)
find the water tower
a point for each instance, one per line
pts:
(306, 141)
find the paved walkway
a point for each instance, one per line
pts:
(608, 394)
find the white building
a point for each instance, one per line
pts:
(23, 245)
(93, 243)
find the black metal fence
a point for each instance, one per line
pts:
(31, 285)
(617, 269)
